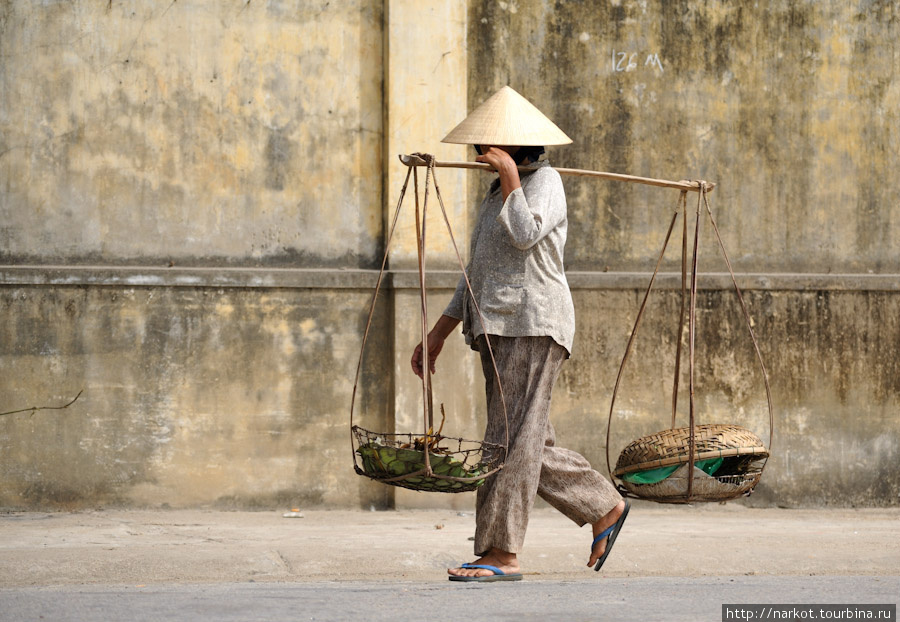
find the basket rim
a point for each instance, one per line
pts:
(356, 429)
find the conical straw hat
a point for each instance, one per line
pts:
(507, 118)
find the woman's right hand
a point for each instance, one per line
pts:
(442, 328)
(435, 345)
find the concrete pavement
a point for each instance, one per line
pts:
(646, 599)
(148, 546)
(670, 563)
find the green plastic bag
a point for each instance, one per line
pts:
(654, 476)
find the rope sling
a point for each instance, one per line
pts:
(432, 462)
(707, 462)
(727, 460)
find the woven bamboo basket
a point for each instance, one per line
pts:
(700, 462)
(428, 462)
(742, 455)
(454, 464)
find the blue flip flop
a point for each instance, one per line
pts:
(498, 575)
(611, 532)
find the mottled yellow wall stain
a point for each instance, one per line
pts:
(788, 106)
(236, 134)
(307, 327)
(205, 129)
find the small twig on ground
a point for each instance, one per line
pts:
(34, 409)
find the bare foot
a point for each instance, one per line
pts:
(598, 528)
(507, 562)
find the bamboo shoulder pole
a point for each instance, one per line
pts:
(693, 186)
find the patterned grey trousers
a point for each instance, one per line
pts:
(528, 368)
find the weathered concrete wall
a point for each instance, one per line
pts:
(218, 397)
(425, 75)
(198, 134)
(193, 132)
(253, 145)
(793, 107)
(834, 379)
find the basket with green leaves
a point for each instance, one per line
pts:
(448, 465)
(430, 461)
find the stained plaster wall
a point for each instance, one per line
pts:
(192, 396)
(791, 107)
(159, 154)
(251, 146)
(201, 133)
(834, 383)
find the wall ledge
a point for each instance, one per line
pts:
(329, 278)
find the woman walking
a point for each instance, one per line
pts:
(517, 279)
